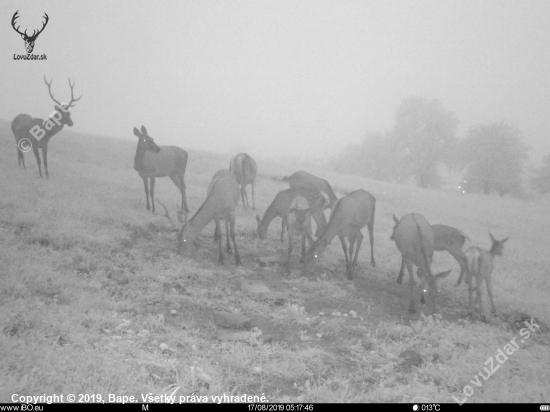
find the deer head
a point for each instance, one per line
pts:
(146, 141)
(29, 40)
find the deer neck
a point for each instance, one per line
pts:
(330, 232)
(203, 216)
(269, 215)
(139, 158)
(331, 196)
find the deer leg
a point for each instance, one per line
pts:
(349, 271)
(217, 233)
(37, 155)
(359, 242)
(45, 156)
(287, 269)
(352, 238)
(309, 237)
(20, 158)
(401, 271)
(232, 228)
(470, 285)
(183, 195)
(370, 226)
(490, 293)
(227, 244)
(284, 224)
(221, 257)
(152, 183)
(412, 286)
(243, 194)
(461, 259)
(479, 292)
(145, 183)
(253, 195)
(178, 181)
(303, 256)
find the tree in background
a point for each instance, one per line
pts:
(422, 137)
(372, 158)
(494, 156)
(541, 180)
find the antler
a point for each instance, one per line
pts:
(35, 34)
(72, 98)
(181, 213)
(166, 213)
(15, 16)
(50, 90)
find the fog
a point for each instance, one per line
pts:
(279, 78)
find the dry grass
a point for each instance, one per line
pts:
(94, 300)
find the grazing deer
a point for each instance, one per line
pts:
(244, 168)
(480, 265)
(27, 130)
(414, 238)
(220, 204)
(299, 224)
(280, 206)
(349, 215)
(307, 180)
(153, 161)
(450, 239)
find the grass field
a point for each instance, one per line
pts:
(94, 299)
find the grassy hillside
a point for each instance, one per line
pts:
(94, 299)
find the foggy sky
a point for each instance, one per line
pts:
(272, 78)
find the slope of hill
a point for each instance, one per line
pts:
(94, 299)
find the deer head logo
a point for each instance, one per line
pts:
(29, 40)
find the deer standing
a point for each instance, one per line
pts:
(153, 161)
(480, 265)
(349, 215)
(414, 238)
(27, 130)
(244, 168)
(221, 200)
(450, 239)
(280, 206)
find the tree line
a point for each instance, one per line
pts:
(491, 157)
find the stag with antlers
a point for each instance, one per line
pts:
(29, 40)
(31, 132)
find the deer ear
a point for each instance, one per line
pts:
(143, 130)
(395, 219)
(23, 36)
(442, 274)
(504, 240)
(136, 132)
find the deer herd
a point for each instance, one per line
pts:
(307, 198)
